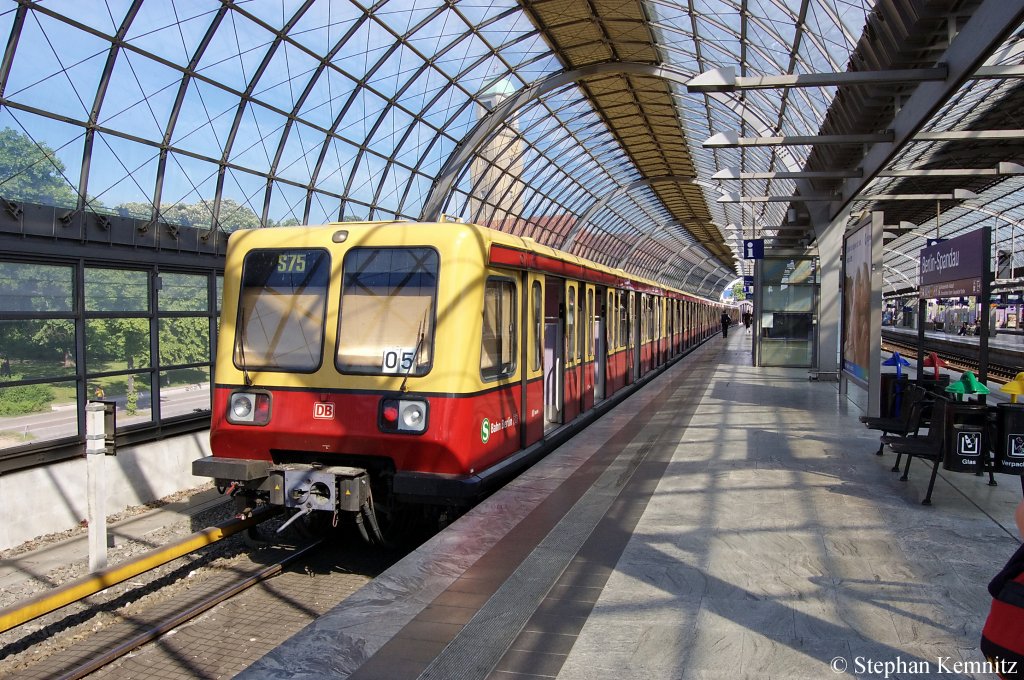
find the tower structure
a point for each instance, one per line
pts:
(496, 194)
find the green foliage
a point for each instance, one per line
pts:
(132, 403)
(30, 287)
(737, 292)
(232, 214)
(124, 342)
(31, 171)
(22, 399)
(184, 340)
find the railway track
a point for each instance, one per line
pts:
(152, 631)
(211, 626)
(1000, 373)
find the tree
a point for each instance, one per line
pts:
(233, 215)
(31, 171)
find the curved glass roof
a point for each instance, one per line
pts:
(272, 112)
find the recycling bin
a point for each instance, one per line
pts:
(932, 385)
(889, 388)
(1009, 439)
(966, 443)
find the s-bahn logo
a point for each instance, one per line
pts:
(323, 410)
(485, 430)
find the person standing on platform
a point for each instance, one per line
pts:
(1002, 638)
(725, 324)
(748, 319)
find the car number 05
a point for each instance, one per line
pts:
(397, 359)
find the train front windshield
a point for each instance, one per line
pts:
(387, 318)
(280, 323)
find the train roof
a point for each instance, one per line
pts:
(523, 244)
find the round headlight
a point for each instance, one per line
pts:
(412, 416)
(241, 406)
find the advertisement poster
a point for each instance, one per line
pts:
(857, 304)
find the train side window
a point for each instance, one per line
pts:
(590, 322)
(538, 320)
(623, 320)
(498, 345)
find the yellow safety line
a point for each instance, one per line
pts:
(51, 600)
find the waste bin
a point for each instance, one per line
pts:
(1009, 439)
(888, 389)
(930, 383)
(966, 445)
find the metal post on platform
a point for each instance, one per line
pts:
(96, 482)
(986, 305)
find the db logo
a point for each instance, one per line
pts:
(323, 410)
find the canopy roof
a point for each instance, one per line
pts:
(569, 121)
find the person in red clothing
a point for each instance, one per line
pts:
(1002, 638)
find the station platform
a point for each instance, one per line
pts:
(723, 522)
(1007, 341)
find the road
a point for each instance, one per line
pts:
(62, 421)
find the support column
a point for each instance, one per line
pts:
(96, 483)
(830, 247)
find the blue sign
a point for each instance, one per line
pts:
(753, 249)
(748, 281)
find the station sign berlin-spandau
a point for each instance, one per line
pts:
(953, 268)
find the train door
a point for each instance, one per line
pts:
(600, 346)
(533, 327)
(659, 331)
(587, 345)
(554, 352)
(633, 355)
(612, 374)
(642, 334)
(670, 324)
(573, 353)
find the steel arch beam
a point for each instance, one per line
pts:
(179, 102)
(487, 125)
(621, 190)
(97, 104)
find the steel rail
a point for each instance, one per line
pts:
(998, 373)
(51, 600)
(175, 620)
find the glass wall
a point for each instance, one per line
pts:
(71, 332)
(789, 288)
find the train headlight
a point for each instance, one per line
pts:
(249, 408)
(414, 416)
(241, 407)
(403, 415)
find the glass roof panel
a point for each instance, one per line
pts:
(140, 96)
(326, 23)
(61, 69)
(170, 31)
(235, 52)
(204, 122)
(382, 95)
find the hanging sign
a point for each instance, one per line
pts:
(753, 249)
(953, 268)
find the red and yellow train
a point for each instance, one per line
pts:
(368, 367)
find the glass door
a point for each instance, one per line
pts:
(787, 318)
